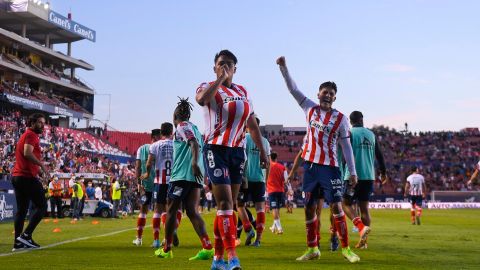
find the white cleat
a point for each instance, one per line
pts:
(137, 242)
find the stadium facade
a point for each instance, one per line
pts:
(33, 75)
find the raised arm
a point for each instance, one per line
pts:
(302, 100)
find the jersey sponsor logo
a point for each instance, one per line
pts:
(217, 172)
(320, 126)
(232, 99)
(366, 143)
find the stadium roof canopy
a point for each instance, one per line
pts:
(41, 23)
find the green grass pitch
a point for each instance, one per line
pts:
(447, 239)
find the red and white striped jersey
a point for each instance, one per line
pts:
(162, 150)
(416, 184)
(226, 115)
(323, 131)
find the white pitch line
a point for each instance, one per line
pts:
(66, 242)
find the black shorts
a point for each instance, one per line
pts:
(255, 192)
(146, 199)
(416, 200)
(276, 199)
(179, 190)
(361, 192)
(160, 193)
(224, 165)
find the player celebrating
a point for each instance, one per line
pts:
(327, 127)
(255, 189)
(365, 150)
(277, 178)
(186, 182)
(144, 187)
(415, 186)
(228, 112)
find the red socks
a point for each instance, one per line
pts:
(228, 230)
(341, 227)
(358, 223)
(260, 224)
(219, 248)
(312, 231)
(141, 221)
(206, 244)
(156, 225)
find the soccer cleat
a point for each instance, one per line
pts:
(176, 241)
(363, 237)
(354, 229)
(349, 255)
(334, 243)
(256, 244)
(310, 254)
(137, 242)
(418, 220)
(203, 254)
(19, 246)
(164, 255)
(280, 231)
(238, 242)
(273, 229)
(250, 236)
(234, 264)
(156, 244)
(218, 265)
(27, 241)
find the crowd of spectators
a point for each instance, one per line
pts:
(446, 159)
(63, 154)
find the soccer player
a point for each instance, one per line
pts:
(255, 189)
(186, 181)
(145, 188)
(27, 182)
(365, 150)
(228, 110)
(415, 187)
(326, 128)
(474, 175)
(277, 178)
(321, 201)
(161, 152)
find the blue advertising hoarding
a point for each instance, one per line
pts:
(72, 26)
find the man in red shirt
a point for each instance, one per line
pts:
(276, 189)
(27, 184)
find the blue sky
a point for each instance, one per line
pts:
(396, 61)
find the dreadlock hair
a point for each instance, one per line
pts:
(184, 107)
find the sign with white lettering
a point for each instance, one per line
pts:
(72, 26)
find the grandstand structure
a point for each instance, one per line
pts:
(36, 77)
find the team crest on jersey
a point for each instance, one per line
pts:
(217, 172)
(232, 99)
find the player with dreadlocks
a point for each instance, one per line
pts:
(186, 181)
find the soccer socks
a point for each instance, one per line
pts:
(260, 225)
(341, 227)
(312, 230)
(206, 244)
(412, 214)
(247, 226)
(277, 224)
(141, 221)
(156, 225)
(179, 218)
(163, 217)
(219, 248)
(226, 225)
(357, 221)
(419, 211)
